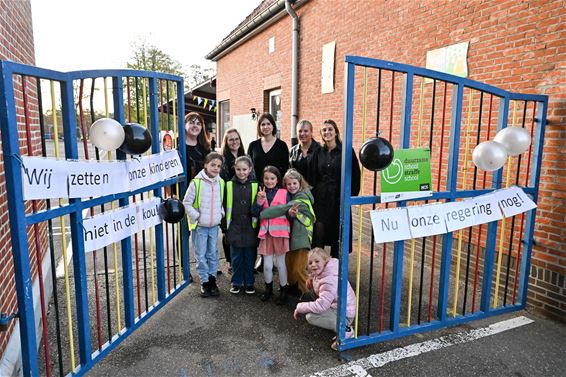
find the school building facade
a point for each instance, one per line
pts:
(516, 46)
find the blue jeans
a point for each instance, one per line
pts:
(206, 252)
(243, 260)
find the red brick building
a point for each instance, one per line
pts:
(516, 46)
(16, 44)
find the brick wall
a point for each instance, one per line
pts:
(515, 45)
(16, 44)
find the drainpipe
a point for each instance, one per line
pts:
(294, 70)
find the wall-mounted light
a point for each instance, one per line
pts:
(254, 113)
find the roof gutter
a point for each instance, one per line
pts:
(294, 70)
(248, 30)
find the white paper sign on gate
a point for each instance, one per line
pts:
(124, 223)
(97, 231)
(484, 208)
(44, 178)
(148, 213)
(426, 220)
(96, 178)
(390, 225)
(458, 215)
(513, 201)
(138, 173)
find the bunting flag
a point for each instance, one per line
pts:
(207, 104)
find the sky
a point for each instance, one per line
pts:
(74, 35)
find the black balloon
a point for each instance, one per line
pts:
(137, 139)
(376, 154)
(171, 210)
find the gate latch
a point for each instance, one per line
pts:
(4, 319)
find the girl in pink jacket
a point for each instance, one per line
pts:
(323, 280)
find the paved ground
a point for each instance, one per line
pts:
(241, 336)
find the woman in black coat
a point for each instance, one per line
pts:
(327, 164)
(268, 149)
(301, 155)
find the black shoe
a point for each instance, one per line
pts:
(268, 292)
(282, 298)
(235, 289)
(214, 291)
(205, 289)
(250, 290)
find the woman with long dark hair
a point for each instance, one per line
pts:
(268, 149)
(327, 164)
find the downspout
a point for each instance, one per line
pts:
(294, 70)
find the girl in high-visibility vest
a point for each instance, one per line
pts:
(203, 202)
(240, 226)
(273, 233)
(299, 209)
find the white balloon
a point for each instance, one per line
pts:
(106, 134)
(489, 156)
(516, 140)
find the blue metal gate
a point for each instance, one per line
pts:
(492, 266)
(159, 105)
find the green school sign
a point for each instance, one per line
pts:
(408, 176)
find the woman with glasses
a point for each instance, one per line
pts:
(232, 148)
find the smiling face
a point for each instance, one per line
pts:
(328, 133)
(193, 127)
(266, 127)
(316, 264)
(212, 168)
(243, 171)
(233, 141)
(292, 185)
(305, 132)
(269, 180)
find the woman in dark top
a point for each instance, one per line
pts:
(268, 149)
(197, 143)
(300, 155)
(328, 172)
(231, 149)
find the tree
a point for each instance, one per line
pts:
(198, 75)
(148, 57)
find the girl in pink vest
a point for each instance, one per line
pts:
(273, 233)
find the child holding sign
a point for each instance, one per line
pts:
(203, 202)
(273, 233)
(299, 209)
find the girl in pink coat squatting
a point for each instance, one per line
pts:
(323, 271)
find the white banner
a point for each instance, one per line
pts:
(439, 218)
(426, 220)
(48, 178)
(107, 228)
(148, 213)
(44, 178)
(513, 201)
(96, 178)
(390, 225)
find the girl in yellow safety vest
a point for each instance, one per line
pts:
(203, 202)
(240, 226)
(273, 233)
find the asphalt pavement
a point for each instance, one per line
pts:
(238, 335)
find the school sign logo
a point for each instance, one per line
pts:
(408, 176)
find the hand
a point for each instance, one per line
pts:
(261, 196)
(296, 314)
(294, 210)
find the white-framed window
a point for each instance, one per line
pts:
(224, 118)
(275, 108)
